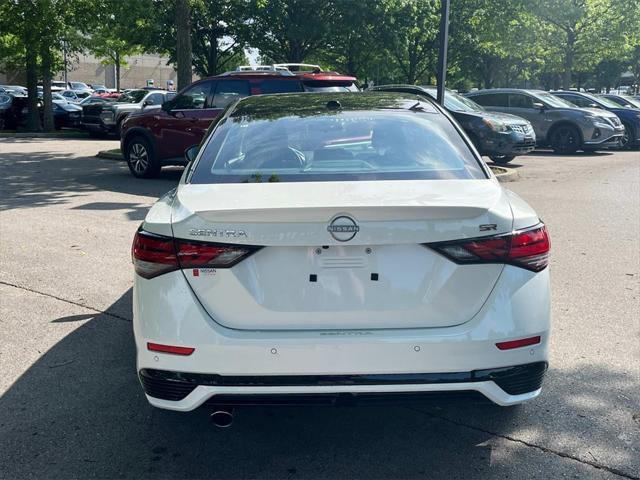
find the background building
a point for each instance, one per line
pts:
(89, 69)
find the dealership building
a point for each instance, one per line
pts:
(139, 71)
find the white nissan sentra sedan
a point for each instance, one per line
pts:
(339, 245)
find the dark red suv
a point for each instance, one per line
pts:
(153, 139)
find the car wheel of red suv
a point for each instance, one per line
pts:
(141, 158)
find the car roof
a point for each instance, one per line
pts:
(309, 104)
(571, 91)
(507, 90)
(286, 75)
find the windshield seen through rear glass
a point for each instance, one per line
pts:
(336, 146)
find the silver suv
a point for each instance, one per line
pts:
(557, 123)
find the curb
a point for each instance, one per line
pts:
(43, 135)
(110, 155)
(505, 174)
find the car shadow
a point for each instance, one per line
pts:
(580, 153)
(79, 412)
(44, 177)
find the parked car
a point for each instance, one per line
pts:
(56, 86)
(11, 106)
(75, 96)
(108, 95)
(98, 88)
(105, 118)
(79, 87)
(14, 88)
(152, 140)
(65, 113)
(96, 100)
(333, 244)
(622, 100)
(500, 136)
(557, 123)
(630, 118)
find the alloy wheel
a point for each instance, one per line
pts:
(139, 158)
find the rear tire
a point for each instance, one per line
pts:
(141, 158)
(565, 139)
(501, 159)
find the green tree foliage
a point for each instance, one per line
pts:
(584, 29)
(409, 34)
(108, 34)
(354, 36)
(291, 30)
(218, 33)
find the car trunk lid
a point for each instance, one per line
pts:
(342, 255)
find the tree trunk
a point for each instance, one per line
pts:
(212, 57)
(183, 43)
(117, 65)
(568, 60)
(33, 117)
(45, 55)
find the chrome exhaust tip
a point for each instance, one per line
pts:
(222, 418)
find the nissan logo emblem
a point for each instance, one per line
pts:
(343, 228)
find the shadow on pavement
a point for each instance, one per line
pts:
(79, 412)
(551, 153)
(47, 178)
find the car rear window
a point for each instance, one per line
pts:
(276, 86)
(336, 146)
(329, 86)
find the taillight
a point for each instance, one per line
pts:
(210, 255)
(154, 254)
(527, 248)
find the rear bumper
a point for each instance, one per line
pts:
(186, 391)
(457, 358)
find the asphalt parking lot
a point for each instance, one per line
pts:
(71, 405)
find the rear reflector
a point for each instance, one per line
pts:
(523, 342)
(155, 254)
(528, 248)
(156, 347)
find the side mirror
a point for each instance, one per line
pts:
(191, 153)
(538, 105)
(594, 105)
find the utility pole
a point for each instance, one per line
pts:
(442, 54)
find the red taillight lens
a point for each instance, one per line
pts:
(154, 254)
(210, 255)
(527, 248)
